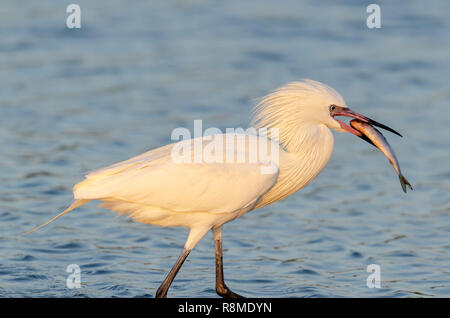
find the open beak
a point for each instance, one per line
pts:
(345, 111)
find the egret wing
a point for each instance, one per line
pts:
(155, 179)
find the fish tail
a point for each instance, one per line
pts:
(74, 205)
(404, 182)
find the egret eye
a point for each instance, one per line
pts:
(332, 107)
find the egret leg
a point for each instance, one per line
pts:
(162, 290)
(195, 235)
(221, 288)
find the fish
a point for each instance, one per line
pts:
(376, 138)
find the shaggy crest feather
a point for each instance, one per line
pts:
(291, 107)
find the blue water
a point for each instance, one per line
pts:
(76, 100)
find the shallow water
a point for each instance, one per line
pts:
(76, 100)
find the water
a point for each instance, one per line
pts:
(76, 100)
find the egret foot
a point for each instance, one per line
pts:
(225, 292)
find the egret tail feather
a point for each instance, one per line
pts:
(73, 206)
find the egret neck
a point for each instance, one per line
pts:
(301, 160)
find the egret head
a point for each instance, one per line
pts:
(304, 102)
(302, 107)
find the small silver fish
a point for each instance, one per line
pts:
(372, 135)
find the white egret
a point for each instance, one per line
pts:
(202, 196)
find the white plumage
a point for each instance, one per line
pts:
(152, 188)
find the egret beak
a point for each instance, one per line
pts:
(345, 111)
